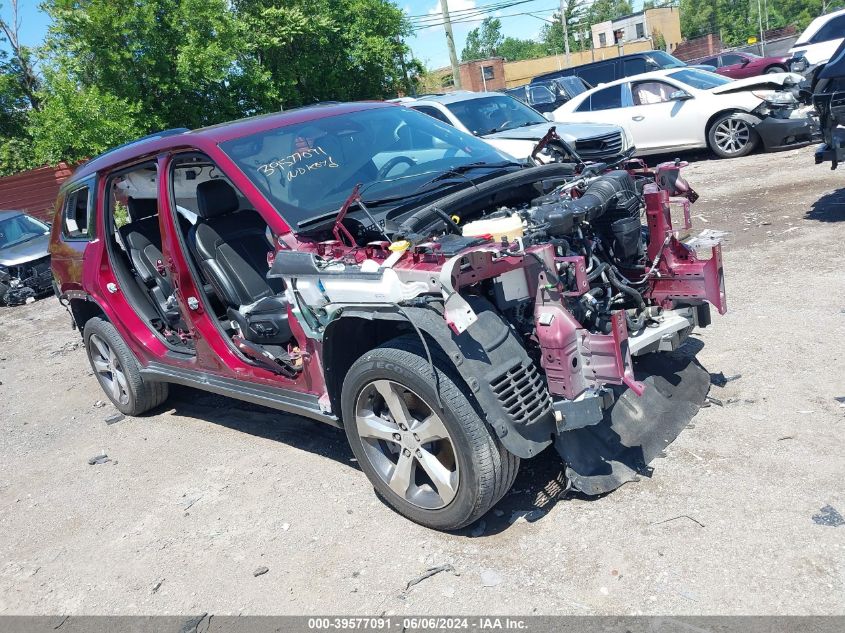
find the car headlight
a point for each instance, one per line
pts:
(775, 97)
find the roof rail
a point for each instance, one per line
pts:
(161, 134)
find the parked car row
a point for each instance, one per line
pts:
(513, 127)
(815, 47)
(686, 108)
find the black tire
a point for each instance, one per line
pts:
(487, 470)
(140, 395)
(775, 69)
(716, 142)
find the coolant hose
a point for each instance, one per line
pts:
(596, 272)
(624, 288)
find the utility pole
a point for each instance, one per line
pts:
(563, 22)
(762, 37)
(450, 42)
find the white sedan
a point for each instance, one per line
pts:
(685, 108)
(515, 128)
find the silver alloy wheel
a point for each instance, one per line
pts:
(108, 369)
(732, 135)
(407, 444)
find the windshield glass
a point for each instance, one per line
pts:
(700, 79)
(20, 228)
(308, 169)
(497, 113)
(571, 86)
(660, 59)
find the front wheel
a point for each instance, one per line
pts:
(439, 467)
(731, 136)
(775, 69)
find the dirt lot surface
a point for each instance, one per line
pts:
(207, 490)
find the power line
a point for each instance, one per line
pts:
(475, 19)
(498, 4)
(467, 14)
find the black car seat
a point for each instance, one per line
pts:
(231, 248)
(142, 239)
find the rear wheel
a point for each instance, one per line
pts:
(118, 372)
(731, 137)
(440, 467)
(775, 69)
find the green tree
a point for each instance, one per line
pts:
(170, 58)
(577, 23)
(483, 41)
(514, 49)
(19, 87)
(296, 52)
(603, 10)
(77, 122)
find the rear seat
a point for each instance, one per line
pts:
(142, 238)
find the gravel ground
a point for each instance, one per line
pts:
(207, 490)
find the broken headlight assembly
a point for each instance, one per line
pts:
(776, 103)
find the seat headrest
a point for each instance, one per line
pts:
(140, 208)
(215, 198)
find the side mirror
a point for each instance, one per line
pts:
(550, 116)
(744, 62)
(680, 95)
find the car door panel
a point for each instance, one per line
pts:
(663, 124)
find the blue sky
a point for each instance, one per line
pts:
(428, 44)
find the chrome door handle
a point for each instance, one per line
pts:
(639, 117)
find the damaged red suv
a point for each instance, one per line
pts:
(366, 265)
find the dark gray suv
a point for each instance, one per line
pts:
(24, 259)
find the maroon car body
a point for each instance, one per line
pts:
(737, 65)
(533, 319)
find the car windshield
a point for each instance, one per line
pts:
(20, 228)
(660, 59)
(496, 113)
(571, 86)
(308, 169)
(700, 79)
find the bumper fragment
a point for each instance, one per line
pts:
(777, 134)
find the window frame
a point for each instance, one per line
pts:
(70, 196)
(726, 62)
(632, 85)
(639, 28)
(439, 115)
(833, 24)
(622, 100)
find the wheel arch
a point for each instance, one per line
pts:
(482, 354)
(780, 67)
(749, 118)
(720, 113)
(351, 336)
(83, 310)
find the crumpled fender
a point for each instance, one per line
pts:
(751, 119)
(483, 354)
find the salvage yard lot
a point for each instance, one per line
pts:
(206, 490)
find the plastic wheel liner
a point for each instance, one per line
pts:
(636, 429)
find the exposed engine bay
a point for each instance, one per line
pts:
(541, 285)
